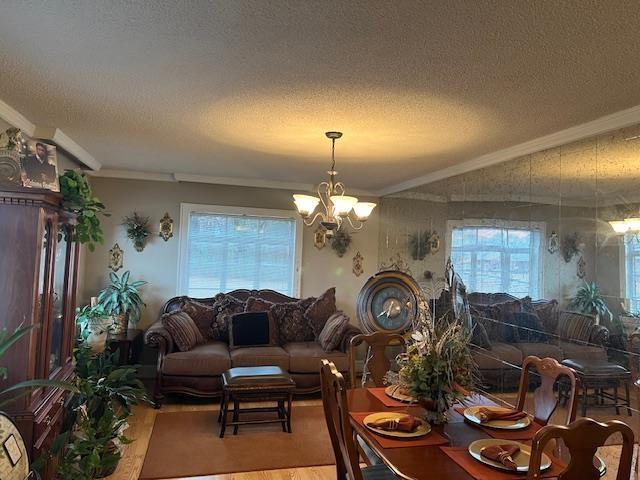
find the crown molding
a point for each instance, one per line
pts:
(132, 175)
(16, 119)
(243, 182)
(65, 142)
(621, 119)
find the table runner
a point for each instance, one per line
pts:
(479, 471)
(431, 439)
(523, 434)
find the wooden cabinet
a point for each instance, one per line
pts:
(38, 280)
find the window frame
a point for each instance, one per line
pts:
(626, 270)
(186, 209)
(496, 223)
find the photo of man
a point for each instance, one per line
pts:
(40, 166)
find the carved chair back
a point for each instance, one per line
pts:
(378, 362)
(582, 438)
(545, 400)
(334, 401)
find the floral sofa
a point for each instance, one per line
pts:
(295, 348)
(508, 329)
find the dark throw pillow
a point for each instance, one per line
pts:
(249, 329)
(530, 328)
(292, 324)
(183, 330)
(224, 307)
(320, 310)
(202, 315)
(331, 335)
(255, 304)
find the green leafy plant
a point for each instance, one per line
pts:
(122, 297)
(77, 197)
(138, 229)
(92, 320)
(7, 340)
(588, 299)
(437, 368)
(340, 241)
(91, 445)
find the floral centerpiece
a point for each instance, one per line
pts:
(437, 369)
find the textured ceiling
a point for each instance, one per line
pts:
(247, 88)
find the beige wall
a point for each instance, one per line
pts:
(158, 263)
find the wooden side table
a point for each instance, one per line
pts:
(128, 345)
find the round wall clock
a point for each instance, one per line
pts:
(388, 302)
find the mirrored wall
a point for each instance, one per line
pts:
(532, 237)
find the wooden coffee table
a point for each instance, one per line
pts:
(266, 383)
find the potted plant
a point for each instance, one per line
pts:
(7, 340)
(77, 197)
(437, 369)
(588, 299)
(94, 325)
(121, 300)
(92, 444)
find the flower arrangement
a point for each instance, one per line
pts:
(437, 368)
(138, 229)
(340, 242)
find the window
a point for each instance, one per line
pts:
(632, 269)
(497, 258)
(225, 248)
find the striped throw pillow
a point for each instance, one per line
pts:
(183, 330)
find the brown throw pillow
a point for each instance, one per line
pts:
(292, 325)
(255, 304)
(183, 330)
(333, 330)
(224, 307)
(202, 315)
(320, 310)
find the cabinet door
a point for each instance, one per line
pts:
(43, 298)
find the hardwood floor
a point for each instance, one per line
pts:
(141, 426)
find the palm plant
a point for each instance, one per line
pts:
(122, 297)
(588, 299)
(7, 340)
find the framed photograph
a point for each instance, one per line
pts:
(39, 167)
(12, 449)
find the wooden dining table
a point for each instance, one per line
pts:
(419, 462)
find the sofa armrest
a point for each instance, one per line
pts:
(599, 335)
(350, 332)
(159, 337)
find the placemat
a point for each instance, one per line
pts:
(387, 401)
(523, 434)
(433, 438)
(479, 471)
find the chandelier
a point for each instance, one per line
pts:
(337, 206)
(629, 227)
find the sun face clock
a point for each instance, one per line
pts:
(388, 302)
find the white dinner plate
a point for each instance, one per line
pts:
(521, 458)
(471, 414)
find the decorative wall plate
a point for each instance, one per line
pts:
(388, 302)
(166, 227)
(357, 264)
(14, 460)
(320, 237)
(9, 168)
(116, 257)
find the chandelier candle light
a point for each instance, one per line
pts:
(337, 205)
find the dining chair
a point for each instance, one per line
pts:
(334, 402)
(582, 438)
(545, 400)
(377, 362)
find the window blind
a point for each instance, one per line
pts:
(632, 270)
(226, 252)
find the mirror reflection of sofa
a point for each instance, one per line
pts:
(507, 329)
(299, 342)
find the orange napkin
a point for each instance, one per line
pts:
(502, 454)
(406, 423)
(487, 414)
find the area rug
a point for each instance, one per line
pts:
(186, 444)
